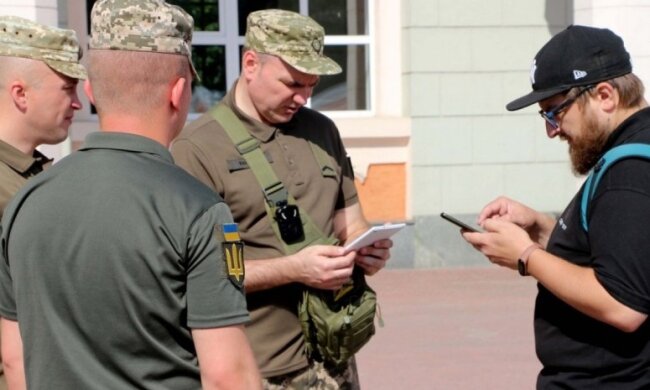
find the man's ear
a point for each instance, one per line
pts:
(18, 91)
(178, 89)
(607, 96)
(88, 90)
(250, 63)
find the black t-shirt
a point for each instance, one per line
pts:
(576, 350)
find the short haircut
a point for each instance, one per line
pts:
(132, 82)
(630, 90)
(26, 68)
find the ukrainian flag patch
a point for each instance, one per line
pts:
(231, 232)
(233, 253)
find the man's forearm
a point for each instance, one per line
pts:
(578, 287)
(264, 274)
(12, 354)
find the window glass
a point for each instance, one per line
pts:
(209, 62)
(248, 6)
(340, 17)
(204, 12)
(347, 90)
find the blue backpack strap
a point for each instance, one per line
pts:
(611, 157)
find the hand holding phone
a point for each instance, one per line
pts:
(460, 223)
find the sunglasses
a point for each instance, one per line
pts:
(550, 116)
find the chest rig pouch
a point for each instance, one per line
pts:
(335, 324)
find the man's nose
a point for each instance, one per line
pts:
(551, 131)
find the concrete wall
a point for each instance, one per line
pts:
(464, 60)
(44, 11)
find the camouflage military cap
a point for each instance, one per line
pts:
(141, 25)
(56, 47)
(295, 38)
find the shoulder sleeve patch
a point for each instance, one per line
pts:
(233, 252)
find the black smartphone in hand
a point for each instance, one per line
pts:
(460, 223)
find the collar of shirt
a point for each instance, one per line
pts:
(126, 142)
(257, 129)
(21, 162)
(629, 129)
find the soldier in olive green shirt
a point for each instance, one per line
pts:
(113, 263)
(282, 62)
(39, 72)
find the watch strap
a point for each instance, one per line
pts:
(522, 262)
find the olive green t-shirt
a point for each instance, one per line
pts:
(129, 258)
(15, 168)
(205, 150)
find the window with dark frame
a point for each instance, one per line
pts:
(346, 20)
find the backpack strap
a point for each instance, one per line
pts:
(611, 157)
(274, 191)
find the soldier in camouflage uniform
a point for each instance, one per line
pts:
(282, 62)
(129, 286)
(39, 72)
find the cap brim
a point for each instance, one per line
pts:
(322, 66)
(534, 97)
(74, 70)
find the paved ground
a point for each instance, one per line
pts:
(452, 329)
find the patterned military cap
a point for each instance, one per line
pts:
(295, 38)
(141, 25)
(56, 47)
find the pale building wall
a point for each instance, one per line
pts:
(463, 61)
(462, 68)
(44, 11)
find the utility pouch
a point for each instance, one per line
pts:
(289, 222)
(336, 328)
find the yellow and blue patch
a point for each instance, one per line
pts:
(233, 251)
(231, 232)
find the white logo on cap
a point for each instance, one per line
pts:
(533, 69)
(578, 74)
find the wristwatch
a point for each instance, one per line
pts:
(523, 259)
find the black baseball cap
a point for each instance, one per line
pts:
(577, 56)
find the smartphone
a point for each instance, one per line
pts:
(459, 223)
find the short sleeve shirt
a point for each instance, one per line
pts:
(15, 168)
(576, 350)
(205, 150)
(130, 262)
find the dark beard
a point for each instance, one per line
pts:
(586, 150)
